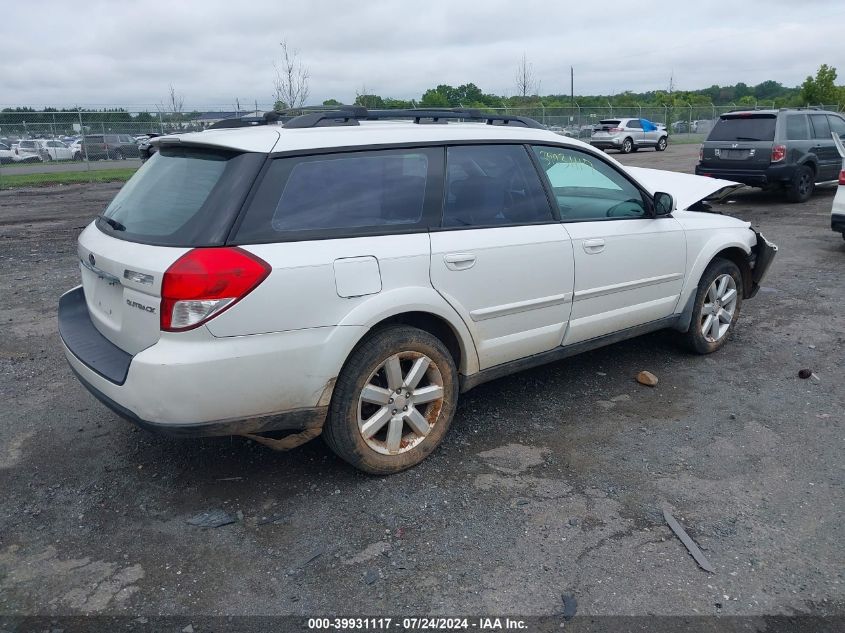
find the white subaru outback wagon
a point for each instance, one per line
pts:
(353, 272)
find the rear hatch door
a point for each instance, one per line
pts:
(183, 197)
(740, 141)
(607, 128)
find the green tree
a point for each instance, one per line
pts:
(821, 89)
(332, 102)
(433, 98)
(369, 101)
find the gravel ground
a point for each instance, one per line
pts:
(550, 481)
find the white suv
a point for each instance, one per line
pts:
(353, 272)
(629, 135)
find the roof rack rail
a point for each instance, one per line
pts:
(244, 121)
(350, 115)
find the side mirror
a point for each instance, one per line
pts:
(663, 204)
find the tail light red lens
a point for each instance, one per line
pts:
(778, 153)
(616, 129)
(842, 177)
(700, 154)
(206, 281)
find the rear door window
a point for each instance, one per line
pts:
(821, 128)
(797, 128)
(744, 128)
(634, 124)
(344, 194)
(493, 185)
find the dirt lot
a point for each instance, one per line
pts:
(551, 481)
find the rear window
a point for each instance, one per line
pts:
(744, 128)
(797, 128)
(340, 194)
(182, 197)
(821, 126)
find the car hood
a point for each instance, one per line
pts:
(685, 189)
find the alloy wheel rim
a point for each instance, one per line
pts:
(804, 184)
(719, 308)
(400, 403)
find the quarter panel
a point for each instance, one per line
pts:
(302, 291)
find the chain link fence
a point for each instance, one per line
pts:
(53, 147)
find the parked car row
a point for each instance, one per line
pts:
(91, 147)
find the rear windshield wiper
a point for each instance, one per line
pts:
(747, 138)
(117, 226)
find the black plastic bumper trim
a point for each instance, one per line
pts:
(85, 342)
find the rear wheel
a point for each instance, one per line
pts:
(662, 144)
(627, 146)
(802, 186)
(117, 155)
(716, 308)
(393, 402)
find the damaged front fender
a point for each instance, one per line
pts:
(761, 258)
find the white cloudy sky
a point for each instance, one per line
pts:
(99, 53)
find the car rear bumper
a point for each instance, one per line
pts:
(771, 175)
(606, 143)
(837, 223)
(195, 384)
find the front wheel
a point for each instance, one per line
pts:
(662, 144)
(393, 402)
(716, 308)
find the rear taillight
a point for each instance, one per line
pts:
(700, 154)
(206, 281)
(778, 153)
(616, 129)
(842, 177)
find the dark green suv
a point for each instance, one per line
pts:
(788, 149)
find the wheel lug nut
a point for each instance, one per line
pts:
(404, 408)
(390, 401)
(395, 411)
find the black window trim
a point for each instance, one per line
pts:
(648, 198)
(322, 234)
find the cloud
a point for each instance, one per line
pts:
(107, 53)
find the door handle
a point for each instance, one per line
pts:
(593, 246)
(459, 261)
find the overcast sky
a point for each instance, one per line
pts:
(127, 53)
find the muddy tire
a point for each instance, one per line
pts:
(802, 186)
(717, 305)
(393, 402)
